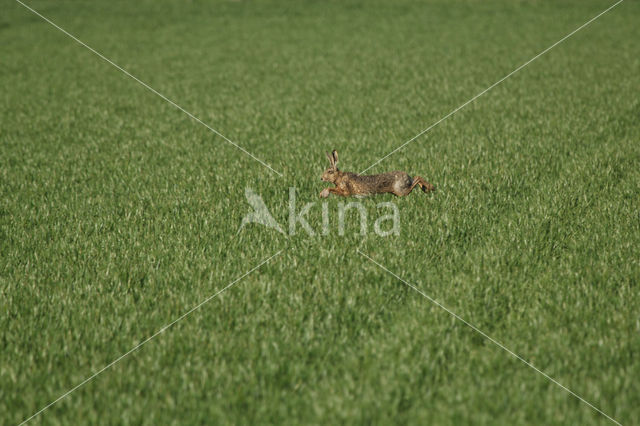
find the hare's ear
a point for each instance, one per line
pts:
(330, 157)
(335, 158)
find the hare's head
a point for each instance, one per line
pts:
(331, 174)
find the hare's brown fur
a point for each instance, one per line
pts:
(352, 184)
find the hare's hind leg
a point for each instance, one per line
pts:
(424, 185)
(402, 185)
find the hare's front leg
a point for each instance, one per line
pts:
(325, 192)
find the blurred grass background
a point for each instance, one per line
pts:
(118, 213)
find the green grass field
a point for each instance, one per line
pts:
(118, 213)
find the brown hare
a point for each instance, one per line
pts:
(354, 185)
